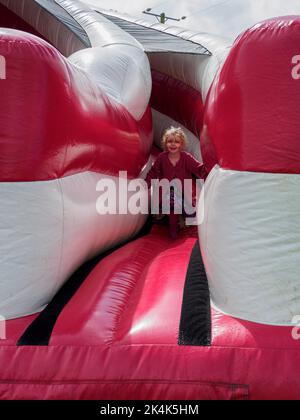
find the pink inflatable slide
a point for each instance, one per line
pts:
(106, 306)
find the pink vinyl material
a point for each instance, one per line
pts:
(179, 101)
(55, 121)
(117, 339)
(8, 19)
(252, 108)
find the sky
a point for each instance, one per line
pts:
(222, 17)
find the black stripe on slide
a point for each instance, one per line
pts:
(39, 331)
(195, 323)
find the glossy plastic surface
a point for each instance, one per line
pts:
(68, 123)
(252, 109)
(117, 339)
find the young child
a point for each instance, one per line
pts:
(175, 163)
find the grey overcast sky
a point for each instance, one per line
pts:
(223, 17)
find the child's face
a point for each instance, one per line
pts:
(174, 144)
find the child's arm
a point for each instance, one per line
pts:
(196, 168)
(154, 172)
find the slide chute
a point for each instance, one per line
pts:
(129, 313)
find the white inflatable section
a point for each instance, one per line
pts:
(116, 61)
(101, 31)
(123, 73)
(53, 30)
(119, 64)
(58, 222)
(196, 70)
(147, 167)
(161, 122)
(250, 241)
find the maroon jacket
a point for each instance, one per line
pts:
(186, 167)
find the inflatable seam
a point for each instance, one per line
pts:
(62, 235)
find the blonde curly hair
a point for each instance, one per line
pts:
(176, 132)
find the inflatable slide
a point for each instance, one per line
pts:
(97, 306)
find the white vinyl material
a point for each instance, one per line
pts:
(56, 228)
(58, 222)
(123, 72)
(147, 167)
(196, 70)
(250, 240)
(116, 61)
(53, 30)
(100, 30)
(161, 122)
(156, 40)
